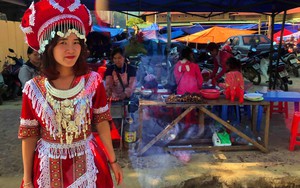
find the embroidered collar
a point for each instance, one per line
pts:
(185, 63)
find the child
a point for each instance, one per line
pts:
(234, 81)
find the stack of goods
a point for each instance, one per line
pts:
(186, 98)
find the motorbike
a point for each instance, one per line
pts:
(279, 76)
(3, 87)
(251, 67)
(291, 62)
(10, 75)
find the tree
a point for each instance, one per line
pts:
(119, 19)
(134, 21)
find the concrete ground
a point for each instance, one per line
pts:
(278, 168)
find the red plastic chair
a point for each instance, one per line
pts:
(281, 107)
(294, 131)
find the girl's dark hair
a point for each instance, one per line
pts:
(186, 53)
(49, 63)
(212, 46)
(233, 64)
(29, 50)
(117, 51)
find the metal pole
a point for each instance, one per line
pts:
(279, 47)
(271, 53)
(169, 33)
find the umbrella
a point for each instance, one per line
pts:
(213, 34)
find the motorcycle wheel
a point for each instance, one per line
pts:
(296, 72)
(254, 76)
(280, 84)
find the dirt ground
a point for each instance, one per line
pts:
(238, 169)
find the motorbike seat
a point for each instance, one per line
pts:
(274, 63)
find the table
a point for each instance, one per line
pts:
(263, 146)
(283, 96)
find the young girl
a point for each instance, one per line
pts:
(60, 106)
(187, 74)
(234, 81)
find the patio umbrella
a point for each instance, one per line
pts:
(213, 34)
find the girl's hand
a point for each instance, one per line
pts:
(118, 172)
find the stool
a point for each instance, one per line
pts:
(281, 107)
(294, 131)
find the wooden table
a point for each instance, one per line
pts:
(263, 145)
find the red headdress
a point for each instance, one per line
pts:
(47, 18)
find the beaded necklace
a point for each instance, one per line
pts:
(65, 110)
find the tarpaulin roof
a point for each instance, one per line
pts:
(260, 6)
(214, 34)
(296, 35)
(174, 34)
(155, 36)
(113, 31)
(276, 36)
(153, 26)
(193, 29)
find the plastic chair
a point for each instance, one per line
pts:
(281, 107)
(294, 131)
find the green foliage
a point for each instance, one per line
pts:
(134, 21)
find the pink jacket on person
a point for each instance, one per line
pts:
(188, 77)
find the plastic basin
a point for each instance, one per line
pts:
(210, 93)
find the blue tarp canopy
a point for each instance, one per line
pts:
(151, 27)
(113, 31)
(261, 6)
(193, 29)
(174, 34)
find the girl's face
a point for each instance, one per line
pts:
(34, 58)
(214, 53)
(118, 59)
(67, 51)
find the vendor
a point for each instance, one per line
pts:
(219, 58)
(120, 77)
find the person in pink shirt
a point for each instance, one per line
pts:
(219, 58)
(187, 73)
(189, 79)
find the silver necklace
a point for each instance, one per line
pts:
(64, 94)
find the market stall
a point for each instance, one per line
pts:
(261, 145)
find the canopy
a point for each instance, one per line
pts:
(214, 34)
(174, 34)
(193, 29)
(260, 6)
(155, 36)
(153, 26)
(113, 31)
(276, 36)
(296, 35)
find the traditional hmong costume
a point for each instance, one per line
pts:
(67, 154)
